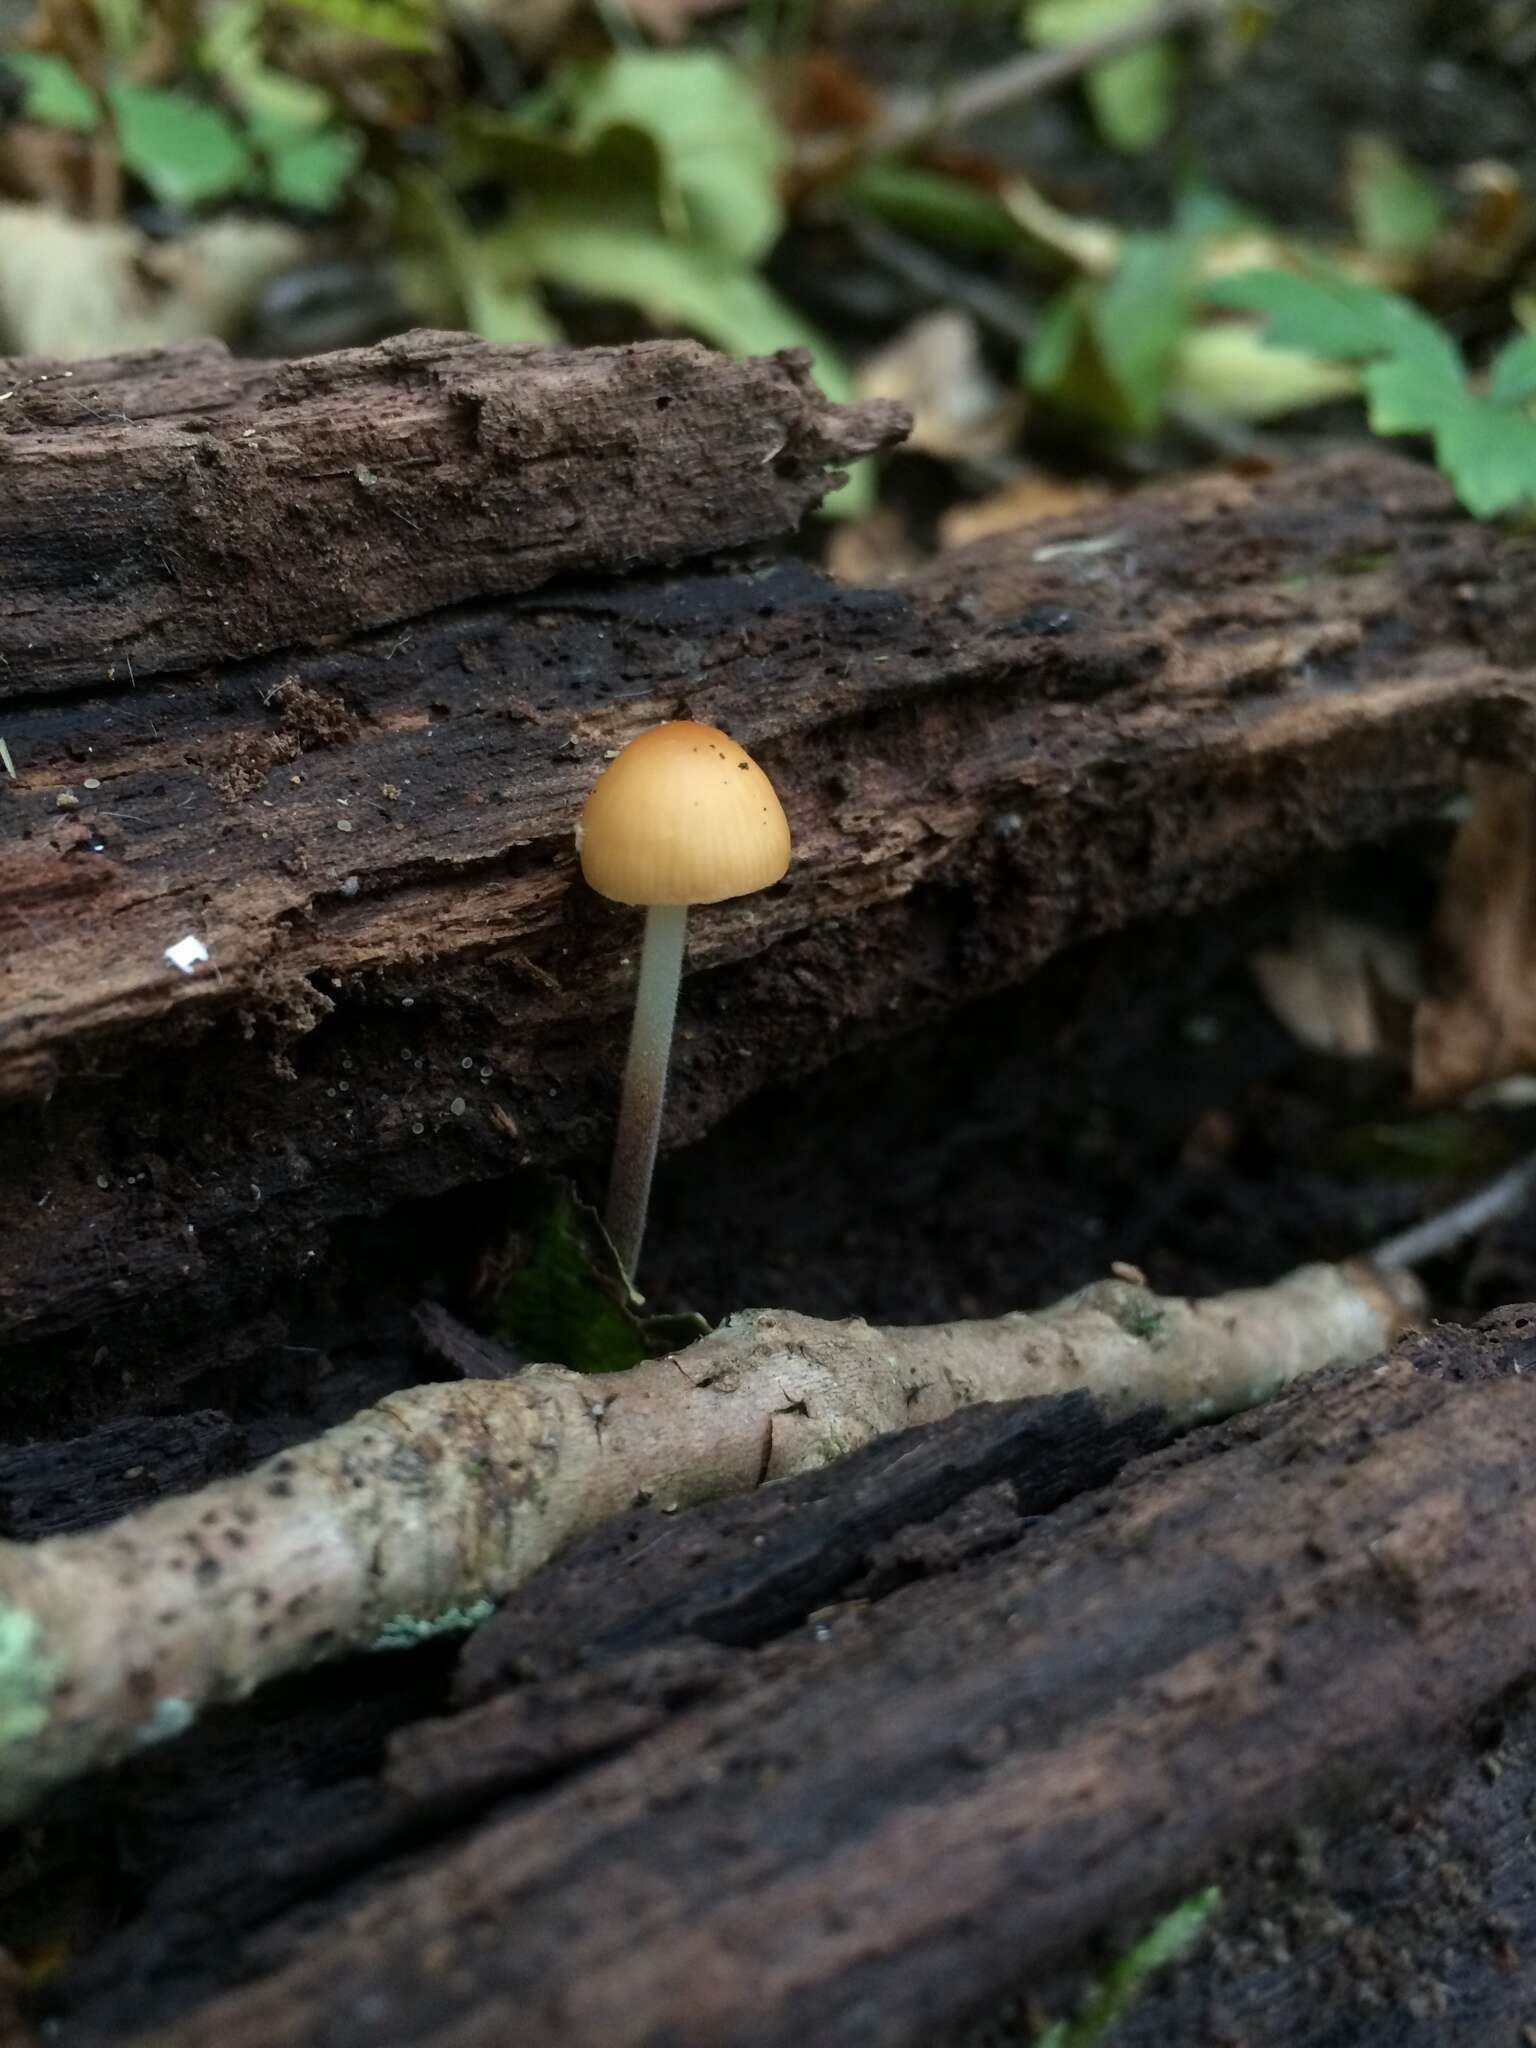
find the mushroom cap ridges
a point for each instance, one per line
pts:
(683, 815)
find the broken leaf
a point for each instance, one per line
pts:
(567, 1302)
(1420, 1148)
(1327, 314)
(1114, 1994)
(1512, 377)
(308, 169)
(451, 276)
(1478, 1023)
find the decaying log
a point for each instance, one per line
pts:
(174, 511)
(443, 1498)
(1008, 1735)
(408, 991)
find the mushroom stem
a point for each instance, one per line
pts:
(645, 1079)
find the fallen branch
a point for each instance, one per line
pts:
(442, 1498)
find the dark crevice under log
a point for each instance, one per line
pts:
(1006, 1736)
(411, 993)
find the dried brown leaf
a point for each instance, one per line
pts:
(1342, 985)
(1032, 498)
(935, 367)
(72, 288)
(1478, 1023)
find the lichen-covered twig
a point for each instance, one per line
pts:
(446, 1496)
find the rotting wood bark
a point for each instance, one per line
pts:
(940, 1789)
(171, 511)
(409, 992)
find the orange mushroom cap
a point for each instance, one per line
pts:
(683, 815)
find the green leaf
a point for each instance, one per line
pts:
(1140, 319)
(122, 28)
(720, 149)
(1489, 454)
(1063, 326)
(308, 169)
(231, 48)
(1108, 350)
(568, 1303)
(613, 181)
(1132, 96)
(53, 92)
(1420, 1148)
(185, 151)
(450, 275)
(1173, 1935)
(1328, 315)
(403, 24)
(1397, 208)
(1512, 379)
(927, 203)
(1410, 395)
(673, 283)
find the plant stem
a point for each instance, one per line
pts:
(645, 1079)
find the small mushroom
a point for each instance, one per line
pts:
(683, 815)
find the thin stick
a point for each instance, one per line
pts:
(645, 1080)
(910, 120)
(1491, 1203)
(417, 1512)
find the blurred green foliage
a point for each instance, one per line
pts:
(1132, 96)
(626, 162)
(1414, 378)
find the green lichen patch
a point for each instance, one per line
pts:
(405, 1631)
(27, 1677)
